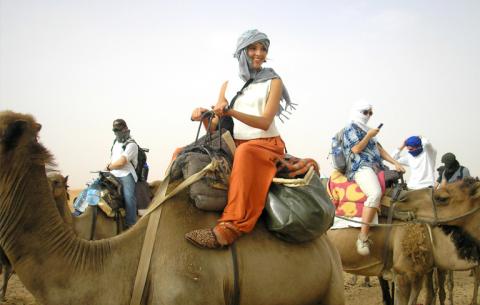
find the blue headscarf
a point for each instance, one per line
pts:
(416, 142)
(246, 72)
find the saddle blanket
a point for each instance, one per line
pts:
(348, 199)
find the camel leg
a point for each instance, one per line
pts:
(386, 297)
(416, 286)
(402, 289)
(7, 273)
(476, 274)
(430, 290)
(353, 279)
(366, 282)
(450, 286)
(441, 275)
(4, 288)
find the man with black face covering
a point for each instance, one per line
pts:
(451, 171)
(122, 165)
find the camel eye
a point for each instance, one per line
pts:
(441, 199)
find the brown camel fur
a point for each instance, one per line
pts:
(59, 187)
(105, 227)
(457, 209)
(411, 252)
(59, 268)
(6, 269)
(408, 274)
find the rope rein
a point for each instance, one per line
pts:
(430, 221)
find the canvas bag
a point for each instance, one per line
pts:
(210, 192)
(299, 213)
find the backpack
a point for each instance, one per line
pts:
(142, 167)
(339, 160)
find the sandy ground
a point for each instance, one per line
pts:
(355, 294)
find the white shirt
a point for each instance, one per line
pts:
(422, 167)
(253, 101)
(131, 153)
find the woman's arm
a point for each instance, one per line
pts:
(360, 146)
(262, 122)
(386, 156)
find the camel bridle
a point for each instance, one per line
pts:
(435, 221)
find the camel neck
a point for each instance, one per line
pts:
(40, 245)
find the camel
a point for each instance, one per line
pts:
(454, 208)
(104, 226)
(442, 254)
(409, 267)
(57, 267)
(6, 269)
(59, 188)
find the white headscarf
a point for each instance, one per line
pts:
(245, 72)
(356, 115)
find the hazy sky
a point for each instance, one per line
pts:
(78, 65)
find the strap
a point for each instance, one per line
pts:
(148, 243)
(93, 225)
(153, 221)
(235, 300)
(232, 102)
(185, 183)
(145, 257)
(387, 253)
(113, 144)
(294, 182)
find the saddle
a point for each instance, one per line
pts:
(104, 192)
(348, 198)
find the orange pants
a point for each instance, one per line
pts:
(252, 173)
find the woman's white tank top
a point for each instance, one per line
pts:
(252, 101)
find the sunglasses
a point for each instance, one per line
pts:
(367, 112)
(116, 130)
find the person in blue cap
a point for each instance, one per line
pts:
(420, 158)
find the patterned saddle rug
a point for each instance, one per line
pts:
(347, 196)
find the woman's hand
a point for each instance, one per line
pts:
(197, 113)
(220, 107)
(372, 132)
(399, 167)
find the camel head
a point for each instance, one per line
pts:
(58, 184)
(454, 204)
(19, 144)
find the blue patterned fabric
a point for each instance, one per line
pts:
(369, 157)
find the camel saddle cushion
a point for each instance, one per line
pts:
(210, 192)
(347, 196)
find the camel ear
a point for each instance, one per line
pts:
(476, 190)
(13, 132)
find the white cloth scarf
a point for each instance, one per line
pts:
(357, 117)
